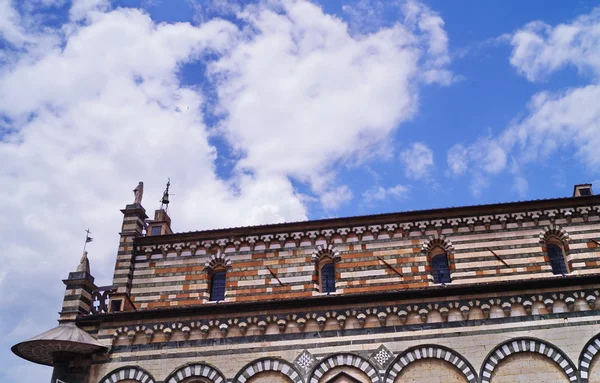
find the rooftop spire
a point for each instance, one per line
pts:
(164, 202)
(88, 239)
(84, 264)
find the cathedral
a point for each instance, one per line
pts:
(493, 293)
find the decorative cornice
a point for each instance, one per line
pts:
(503, 287)
(298, 237)
(402, 312)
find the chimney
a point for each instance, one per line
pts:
(583, 190)
(160, 225)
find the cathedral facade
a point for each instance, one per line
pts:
(481, 294)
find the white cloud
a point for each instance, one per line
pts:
(81, 9)
(540, 49)
(434, 40)
(566, 120)
(81, 125)
(204, 10)
(379, 193)
(10, 24)
(417, 160)
(335, 197)
(331, 96)
(458, 159)
(90, 108)
(365, 16)
(520, 183)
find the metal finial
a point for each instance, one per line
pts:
(164, 202)
(88, 239)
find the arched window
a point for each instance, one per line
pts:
(556, 254)
(327, 269)
(217, 284)
(440, 266)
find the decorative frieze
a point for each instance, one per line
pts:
(361, 232)
(508, 304)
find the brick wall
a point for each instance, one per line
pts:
(174, 278)
(546, 330)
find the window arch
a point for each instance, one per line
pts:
(216, 287)
(439, 265)
(216, 267)
(556, 255)
(325, 258)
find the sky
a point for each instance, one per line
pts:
(273, 111)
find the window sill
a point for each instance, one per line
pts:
(324, 294)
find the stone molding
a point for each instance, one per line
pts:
(326, 251)
(431, 351)
(130, 373)
(403, 311)
(265, 365)
(295, 239)
(199, 370)
(554, 231)
(532, 345)
(588, 353)
(343, 359)
(218, 259)
(437, 241)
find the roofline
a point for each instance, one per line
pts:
(441, 213)
(239, 308)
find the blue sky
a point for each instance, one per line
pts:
(273, 111)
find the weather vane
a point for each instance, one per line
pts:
(164, 202)
(88, 239)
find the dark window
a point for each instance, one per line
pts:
(217, 286)
(441, 270)
(585, 192)
(115, 306)
(557, 259)
(156, 230)
(328, 278)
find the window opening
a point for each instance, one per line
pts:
(328, 278)
(156, 230)
(217, 286)
(557, 259)
(441, 269)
